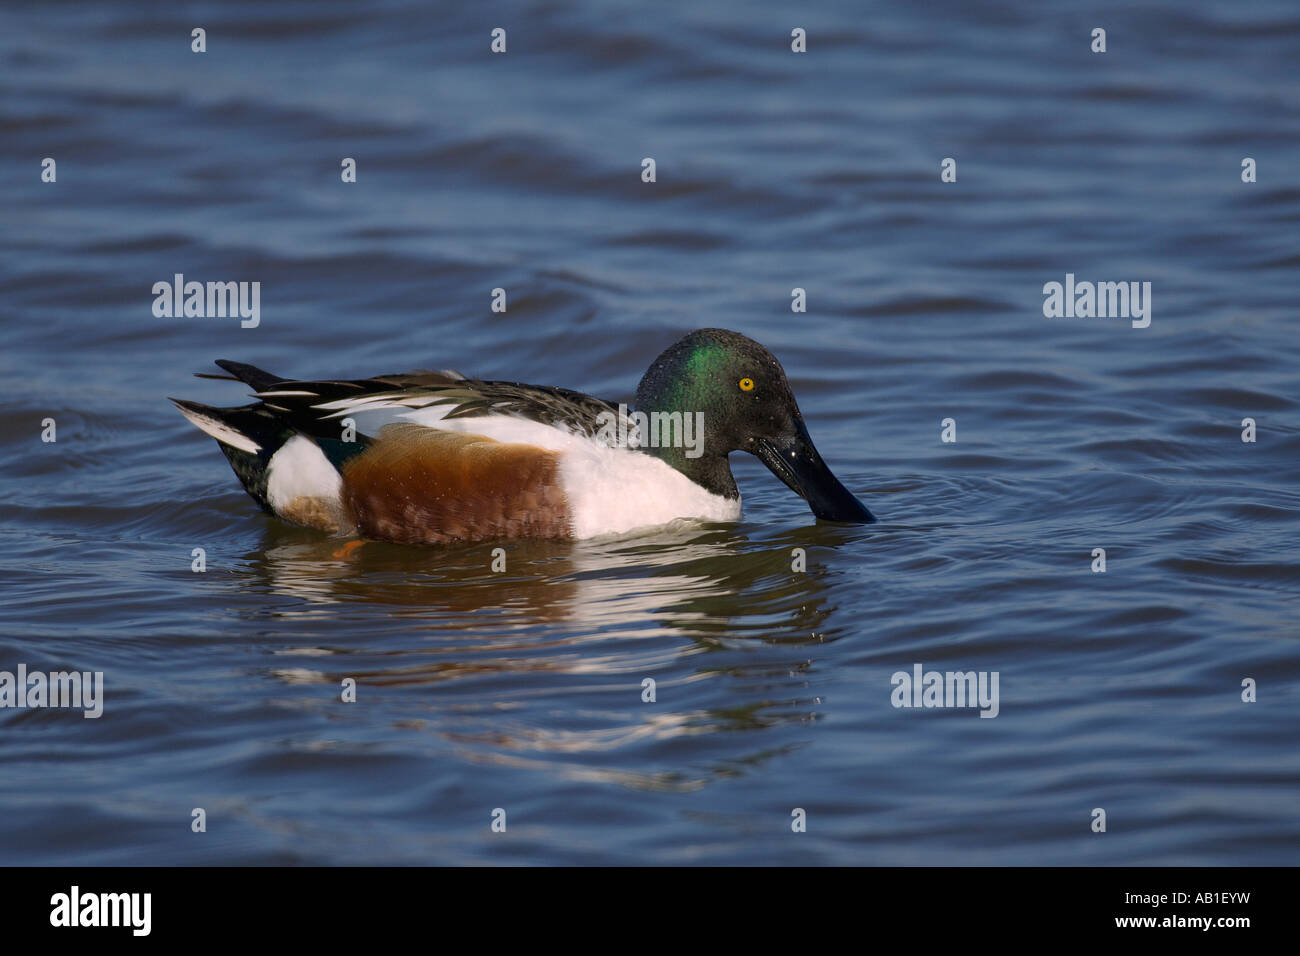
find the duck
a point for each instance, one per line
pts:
(437, 457)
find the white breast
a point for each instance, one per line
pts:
(612, 490)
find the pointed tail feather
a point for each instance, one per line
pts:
(238, 428)
(251, 375)
(248, 436)
(251, 435)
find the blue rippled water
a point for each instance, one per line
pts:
(1119, 690)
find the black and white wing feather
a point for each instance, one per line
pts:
(310, 404)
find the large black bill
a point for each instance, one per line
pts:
(795, 461)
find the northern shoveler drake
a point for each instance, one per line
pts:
(458, 459)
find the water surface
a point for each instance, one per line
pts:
(523, 690)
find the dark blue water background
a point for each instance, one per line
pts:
(775, 170)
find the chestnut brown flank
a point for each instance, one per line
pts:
(420, 485)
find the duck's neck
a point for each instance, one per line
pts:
(710, 472)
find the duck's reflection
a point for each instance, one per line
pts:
(544, 662)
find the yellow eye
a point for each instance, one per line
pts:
(746, 384)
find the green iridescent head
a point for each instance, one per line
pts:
(744, 403)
